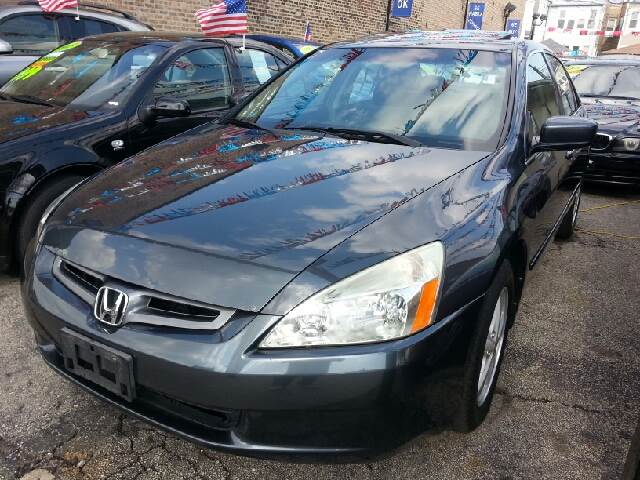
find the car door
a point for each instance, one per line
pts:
(200, 77)
(543, 205)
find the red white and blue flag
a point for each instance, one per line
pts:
(307, 32)
(227, 17)
(55, 5)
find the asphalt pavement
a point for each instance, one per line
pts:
(566, 405)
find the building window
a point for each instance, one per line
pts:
(580, 23)
(611, 24)
(571, 24)
(633, 23)
(592, 18)
(561, 18)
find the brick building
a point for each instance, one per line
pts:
(330, 19)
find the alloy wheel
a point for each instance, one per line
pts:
(493, 346)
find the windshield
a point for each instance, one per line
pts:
(622, 81)
(84, 75)
(442, 97)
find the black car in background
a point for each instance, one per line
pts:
(93, 102)
(610, 92)
(332, 268)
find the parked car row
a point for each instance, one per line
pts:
(320, 256)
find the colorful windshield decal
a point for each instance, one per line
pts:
(37, 66)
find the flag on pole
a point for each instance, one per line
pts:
(49, 6)
(307, 32)
(226, 17)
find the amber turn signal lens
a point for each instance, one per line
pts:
(424, 314)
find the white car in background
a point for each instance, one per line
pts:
(27, 33)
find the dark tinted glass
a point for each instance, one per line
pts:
(85, 74)
(542, 102)
(201, 77)
(442, 97)
(608, 81)
(86, 27)
(30, 34)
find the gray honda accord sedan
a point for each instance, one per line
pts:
(333, 267)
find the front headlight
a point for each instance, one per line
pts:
(627, 144)
(393, 299)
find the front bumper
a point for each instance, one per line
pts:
(219, 390)
(608, 167)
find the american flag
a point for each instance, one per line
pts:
(55, 5)
(224, 18)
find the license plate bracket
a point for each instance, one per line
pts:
(99, 364)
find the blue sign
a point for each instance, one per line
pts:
(401, 8)
(474, 16)
(513, 27)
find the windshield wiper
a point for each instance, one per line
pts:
(31, 99)
(367, 135)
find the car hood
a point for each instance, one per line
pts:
(229, 216)
(18, 120)
(614, 116)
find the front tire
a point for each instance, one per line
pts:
(33, 211)
(568, 223)
(486, 350)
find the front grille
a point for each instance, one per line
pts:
(144, 306)
(87, 280)
(163, 306)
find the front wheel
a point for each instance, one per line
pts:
(486, 351)
(33, 211)
(568, 223)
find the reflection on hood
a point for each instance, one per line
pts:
(21, 119)
(614, 115)
(279, 197)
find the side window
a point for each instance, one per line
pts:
(542, 101)
(256, 68)
(88, 26)
(30, 34)
(201, 77)
(565, 89)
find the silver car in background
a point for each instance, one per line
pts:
(27, 33)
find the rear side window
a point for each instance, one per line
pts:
(201, 77)
(30, 34)
(256, 68)
(88, 26)
(542, 102)
(565, 88)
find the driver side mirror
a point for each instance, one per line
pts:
(165, 107)
(5, 48)
(565, 133)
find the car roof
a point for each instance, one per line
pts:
(481, 39)
(153, 37)
(282, 40)
(88, 10)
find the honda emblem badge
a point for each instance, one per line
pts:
(111, 305)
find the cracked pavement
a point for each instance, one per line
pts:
(565, 408)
